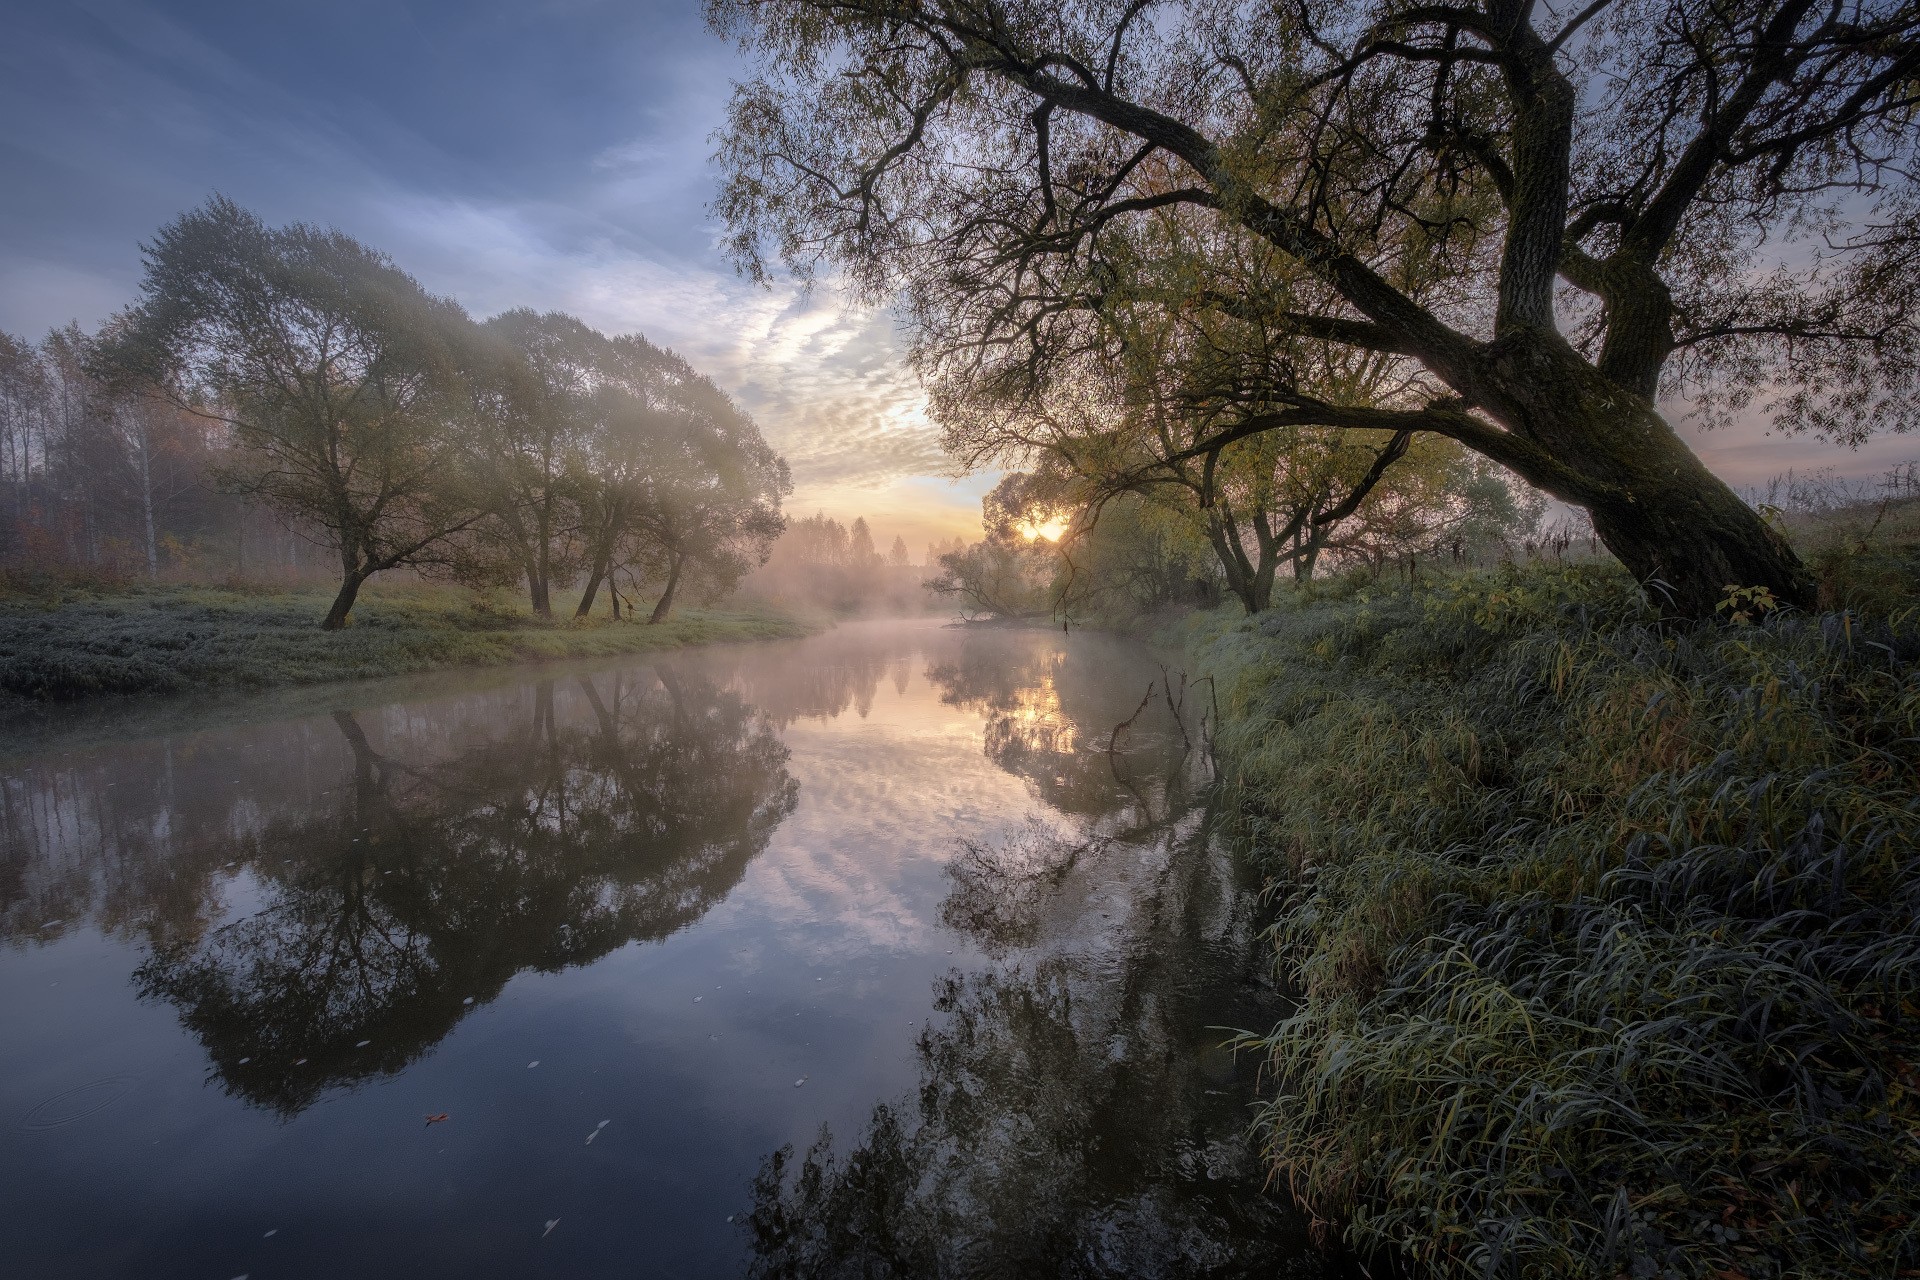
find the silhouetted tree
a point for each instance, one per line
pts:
(339, 376)
(1545, 217)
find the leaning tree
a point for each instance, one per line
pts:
(1552, 218)
(339, 376)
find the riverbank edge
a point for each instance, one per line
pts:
(1606, 934)
(85, 648)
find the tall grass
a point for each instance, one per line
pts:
(1607, 933)
(79, 641)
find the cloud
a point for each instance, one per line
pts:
(825, 381)
(556, 160)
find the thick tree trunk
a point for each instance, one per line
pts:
(537, 593)
(1676, 526)
(343, 603)
(595, 576)
(665, 607)
(541, 571)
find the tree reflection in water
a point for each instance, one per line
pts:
(428, 886)
(1076, 1114)
(1052, 708)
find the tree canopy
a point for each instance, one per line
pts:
(405, 435)
(1542, 220)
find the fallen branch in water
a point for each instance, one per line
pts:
(1128, 722)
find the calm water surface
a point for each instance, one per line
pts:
(858, 955)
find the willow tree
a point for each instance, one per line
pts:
(680, 484)
(536, 406)
(712, 508)
(339, 376)
(1637, 198)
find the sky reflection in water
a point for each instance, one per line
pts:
(889, 881)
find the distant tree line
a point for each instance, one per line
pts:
(120, 483)
(297, 370)
(1057, 547)
(840, 567)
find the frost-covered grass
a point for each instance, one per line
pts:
(64, 643)
(1606, 933)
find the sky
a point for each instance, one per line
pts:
(542, 153)
(546, 153)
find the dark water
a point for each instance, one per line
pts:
(860, 955)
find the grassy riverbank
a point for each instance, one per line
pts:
(60, 643)
(1607, 934)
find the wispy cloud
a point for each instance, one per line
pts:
(587, 194)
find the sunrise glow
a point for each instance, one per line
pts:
(1051, 529)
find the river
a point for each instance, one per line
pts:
(877, 953)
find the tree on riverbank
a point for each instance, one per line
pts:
(528, 396)
(385, 424)
(708, 507)
(339, 376)
(1544, 220)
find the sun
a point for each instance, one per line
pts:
(1050, 529)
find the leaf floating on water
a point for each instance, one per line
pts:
(245, 1061)
(49, 924)
(797, 1083)
(299, 1062)
(271, 1234)
(596, 1131)
(363, 1044)
(533, 1064)
(468, 1000)
(437, 1117)
(551, 1224)
(698, 999)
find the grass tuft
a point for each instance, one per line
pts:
(1607, 933)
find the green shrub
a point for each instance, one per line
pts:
(1606, 934)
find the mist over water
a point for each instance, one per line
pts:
(860, 954)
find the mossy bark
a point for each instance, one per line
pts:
(1585, 439)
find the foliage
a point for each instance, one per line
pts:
(712, 485)
(382, 423)
(1536, 219)
(339, 376)
(1003, 578)
(109, 478)
(1607, 932)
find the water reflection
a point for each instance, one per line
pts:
(1053, 711)
(313, 900)
(421, 884)
(1076, 1113)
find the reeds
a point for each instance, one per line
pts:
(1607, 933)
